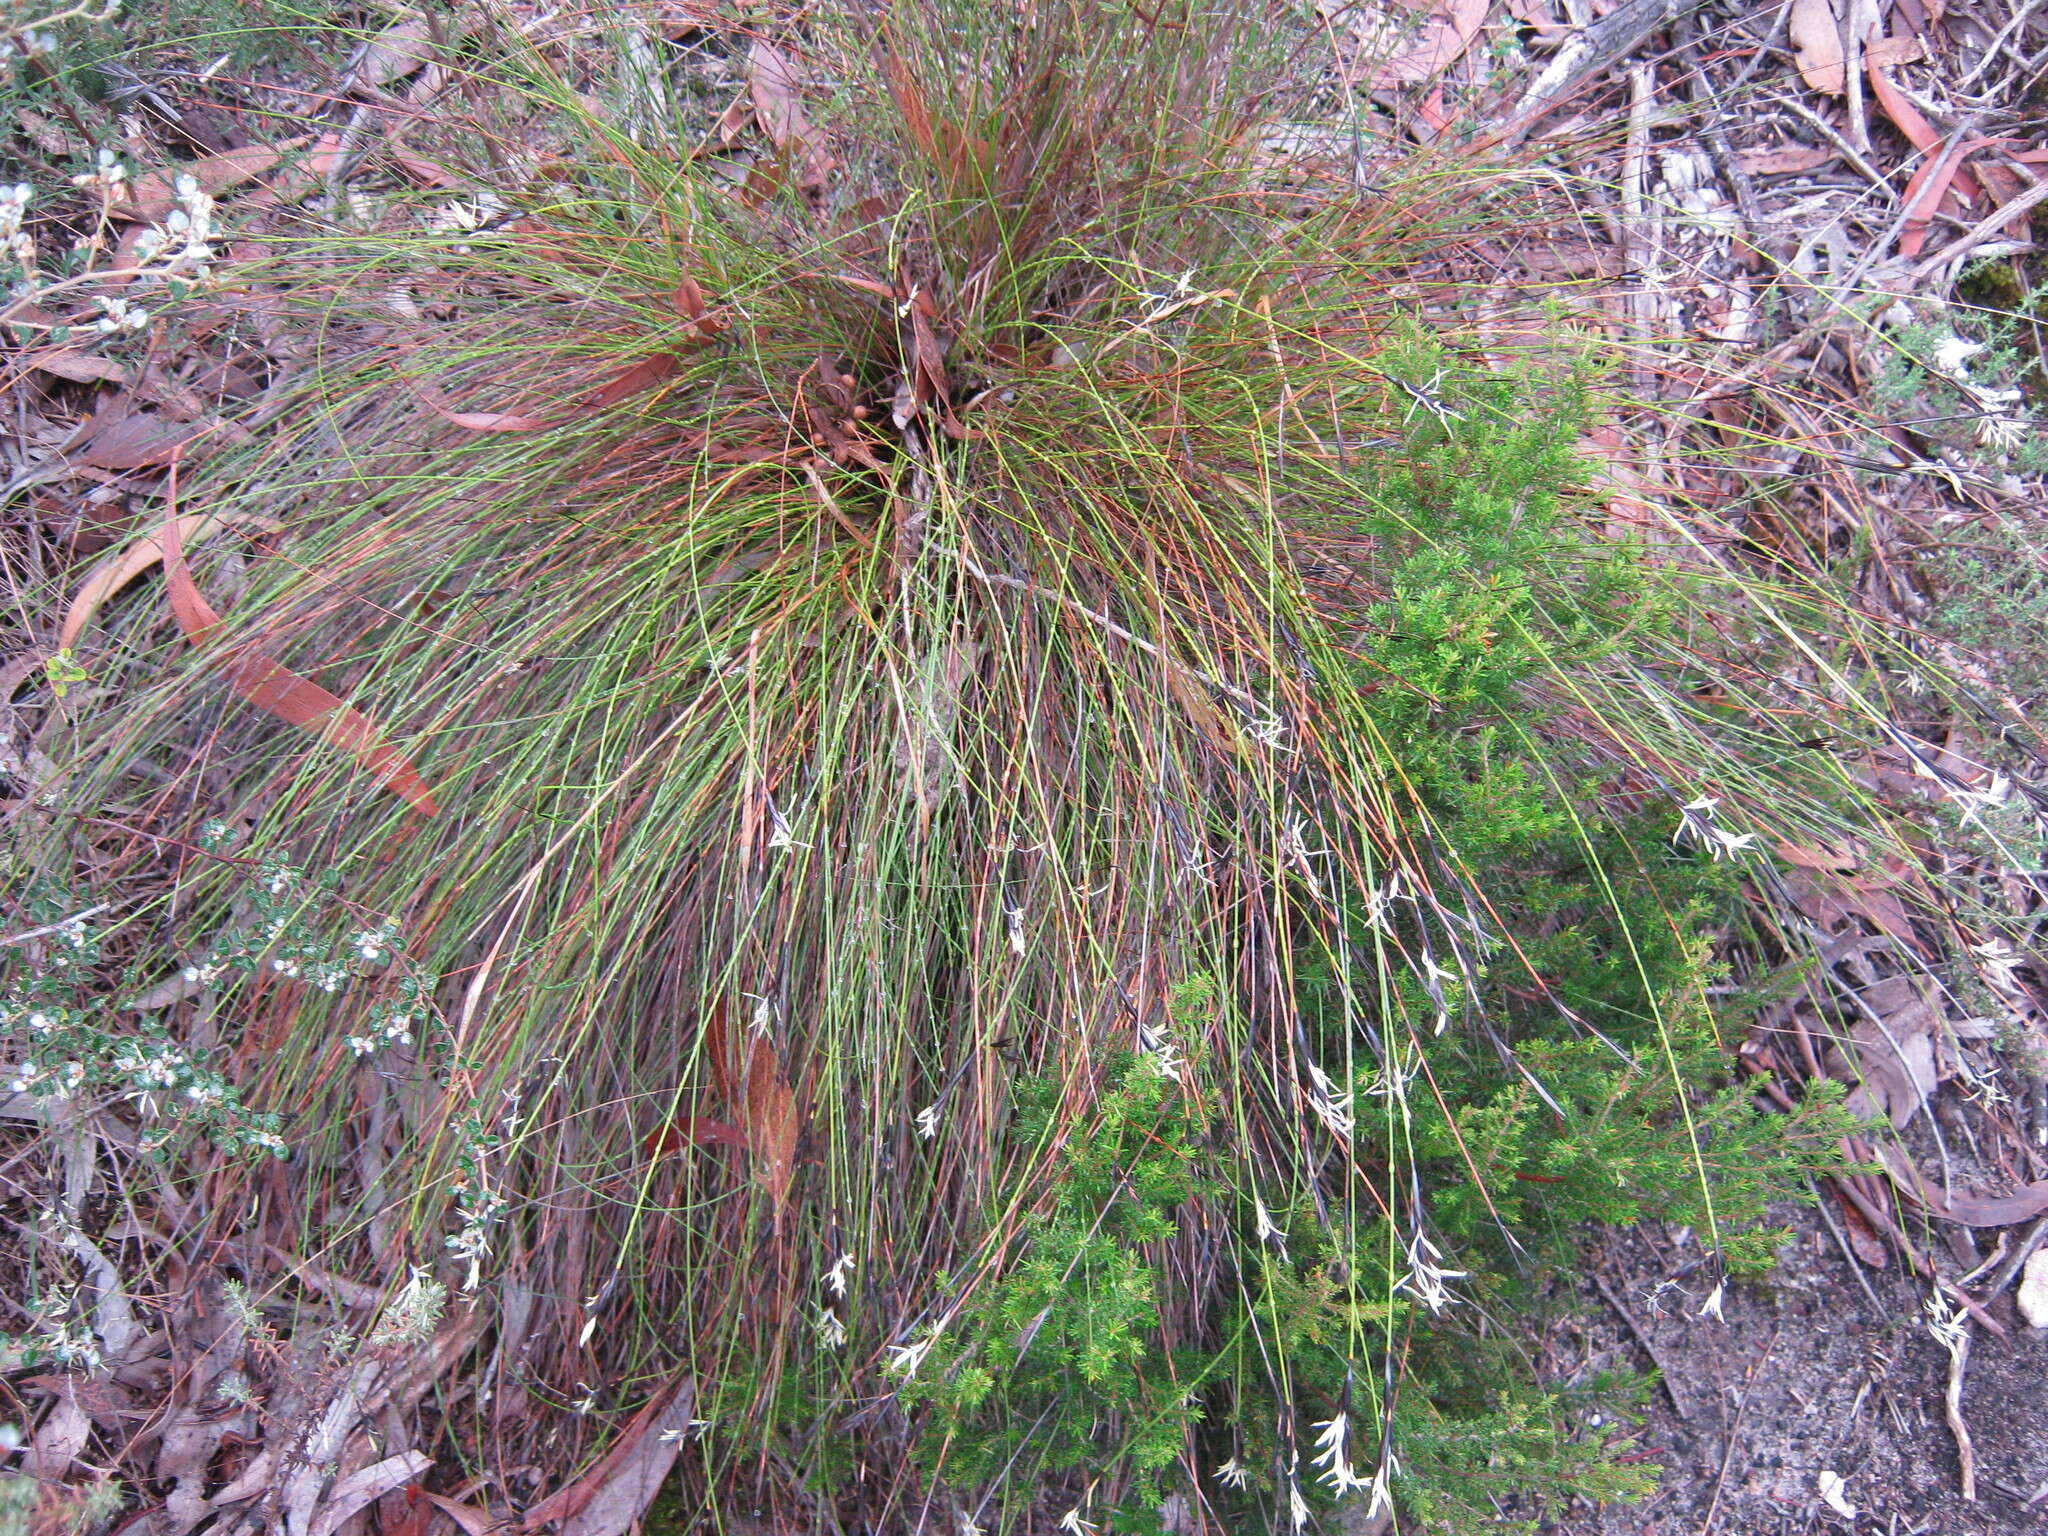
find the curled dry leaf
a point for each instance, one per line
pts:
(356, 1492)
(392, 54)
(772, 84)
(771, 1123)
(276, 689)
(1890, 1061)
(2023, 1204)
(124, 565)
(477, 421)
(121, 437)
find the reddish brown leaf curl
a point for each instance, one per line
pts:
(275, 688)
(478, 421)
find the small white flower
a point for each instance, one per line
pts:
(1974, 802)
(928, 1121)
(1297, 1506)
(1233, 1474)
(836, 1276)
(1712, 1306)
(779, 838)
(2002, 434)
(1425, 1278)
(1331, 1107)
(1695, 820)
(1072, 1523)
(1381, 1495)
(1264, 1227)
(1330, 1456)
(1999, 968)
(904, 1359)
(831, 1328)
(1947, 1324)
(1725, 844)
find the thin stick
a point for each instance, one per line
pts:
(57, 927)
(1952, 1402)
(1735, 1429)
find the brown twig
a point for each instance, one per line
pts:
(1735, 1429)
(1952, 1403)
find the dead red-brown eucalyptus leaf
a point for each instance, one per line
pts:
(276, 689)
(691, 1131)
(688, 301)
(1400, 53)
(152, 195)
(2023, 1204)
(1890, 1060)
(1930, 184)
(1816, 33)
(118, 437)
(392, 54)
(772, 83)
(1863, 1239)
(771, 1123)
(477, 421)
(123, 566)
(609, 1498)
(1791, 160)
(473, 1521)
(79, 367)
(1923, 135)
(643, 374)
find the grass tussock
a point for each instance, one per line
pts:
(1064, 845)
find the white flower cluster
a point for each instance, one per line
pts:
(1696, 825)
(107, 177)
(66, 1336)
(411, 1315)
(472, 1241)
(1330, 1106)
(1425, 1278)
(16, 241)
(1159, 1050)
(388, 1027)
(904, 1359)
(117, 314)
(179, 243)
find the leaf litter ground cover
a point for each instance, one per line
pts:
(902, 347)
